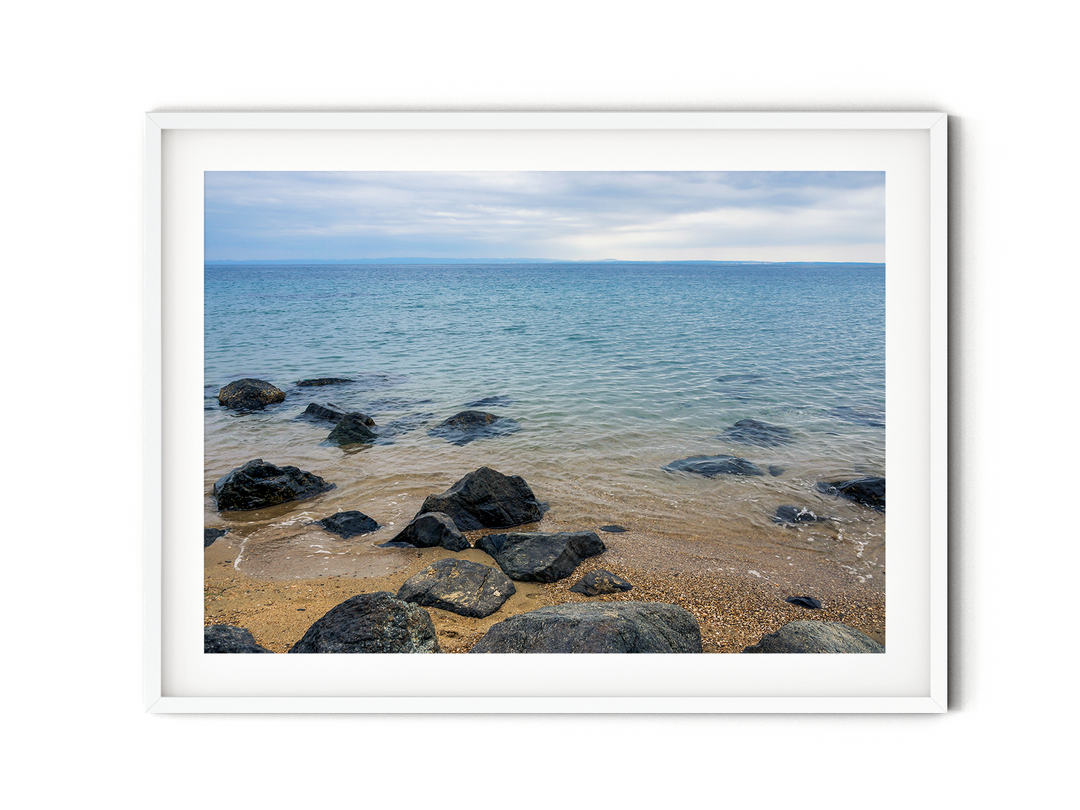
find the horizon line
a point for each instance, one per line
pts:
(493, 260)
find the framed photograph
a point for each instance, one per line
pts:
(472, 385)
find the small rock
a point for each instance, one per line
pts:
(816, 637)
(762, 434)
(485, 498)
(349, 524)
(468, 426)
(805, 601)
(797, 514)
(613, 529)
(868, 491)
(459, 586)
(319, 381)
(600, 582)
(259, 484)
(712, 466)
(210, 535)
(430, 529)
(330, 413)
(353, 428)
(540, 556)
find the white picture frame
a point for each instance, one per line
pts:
(912, 677)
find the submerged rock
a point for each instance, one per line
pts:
(598, 582)
(349, 524)
(210, 535)
(328, 412)
(371, 623)
(869, 491)
(468, 426)
(750, 431)
(540, 556)
(485, 498)
(249, 394)
(459, 586)
(488, 402)
(430, 529)
(712, 466)
(816, 637)
(224, 638)
(319, 381)
(596, 627)
(259, 484)
(860, 415)
(353, 428)
(797, 514)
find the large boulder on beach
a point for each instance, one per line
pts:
(486, 499)
(259, 484)
(540, 556)
(762, 434)
(712, 466)
(869, 491)
(431, 529)
(596, 627)
(353, 428)
(469, 426)
(224, 638)
(371, 623)
(816, 637)
(459, 586)
(599, 582)
(249, 394)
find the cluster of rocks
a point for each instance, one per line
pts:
(868, 491)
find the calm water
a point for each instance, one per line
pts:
(611, 372)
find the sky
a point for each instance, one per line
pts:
(577, 216)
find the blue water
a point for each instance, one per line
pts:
(611, 371)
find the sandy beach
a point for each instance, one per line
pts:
(736, 596)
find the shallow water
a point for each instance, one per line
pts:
(610, 371)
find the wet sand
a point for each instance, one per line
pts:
(736, 596)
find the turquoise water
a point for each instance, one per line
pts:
(611, 372)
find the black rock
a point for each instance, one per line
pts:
(249, 395)
(371, 623)
(613, 529)
(868, 491)
(468, 426)
(353, 428)
(600, 582)
(210, 535)
(797, 514)
(596, 627)
(224, 638)
(816, 637)
(540, 556)
(318, 381)
(459, 586)
(485, 498)
(805, 601)
(258, 484)
(712, 466)
(488, 402)
(349, 524)
(405, 424)
(750, 431)
(775, 470)
(330, 413)
(428, 530)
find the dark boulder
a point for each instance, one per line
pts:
(485, 498)
(371, 623)
(249, 395)
(596, 627)
(469, 426)
(540, 556)
(329, 413)
(598, 582)
(816, 637)
(868, 491)
(353, 428)
(224, 638)
(797, 514)
(428, 530)
(210, 535)
(712, 466)
(258, 484)
(459, 586)
(349, 524)
(805, 601)
(751, 431)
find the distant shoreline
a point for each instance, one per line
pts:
(421, 260)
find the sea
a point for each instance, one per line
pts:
(608, 371)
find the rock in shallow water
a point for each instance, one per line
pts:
(320, 381)
(259, 484)
(224, 638)
(485, 498)
(428, 530)
(797, 514)
(349, 524)
(762, 434)
(210, 535)
(353, 428)
(712, 466)
(596, 627)
(868, 491)
(249, 394)
(540, 556)
(371, 623)
(468, 426)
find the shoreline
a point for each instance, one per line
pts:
(736, 597)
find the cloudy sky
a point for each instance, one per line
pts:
(644, 216)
